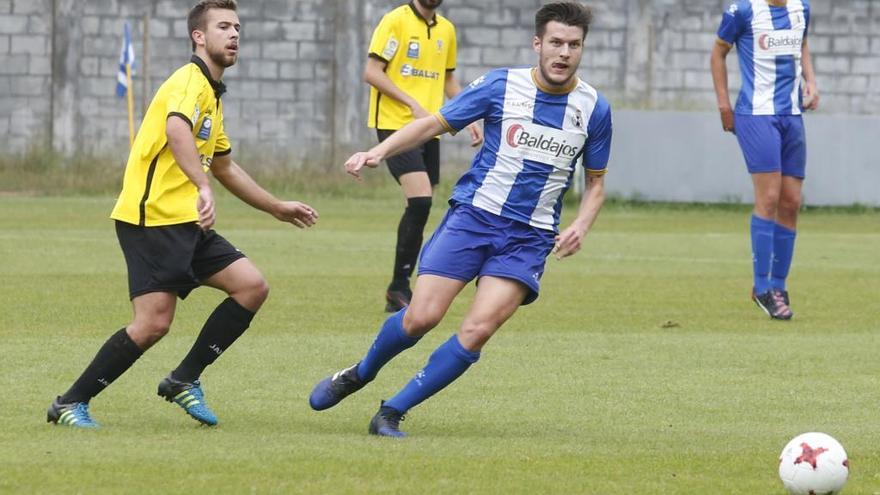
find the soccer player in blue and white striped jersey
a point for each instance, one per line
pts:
(771, 42)
(539, 124)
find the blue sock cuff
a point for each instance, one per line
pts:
(460, 352)
(783, 230)
(763, 222)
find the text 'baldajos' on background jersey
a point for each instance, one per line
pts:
(418, 52)
(155, 191)
(534, 138)
(768, 41)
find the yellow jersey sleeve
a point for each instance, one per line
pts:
(452, 54)
(184, 96)
(386, 38)
(222, 147)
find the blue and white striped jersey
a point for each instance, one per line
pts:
(768, 41)
(534, 138)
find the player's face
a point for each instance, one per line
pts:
(430, 4)
(221, 36)
(559, 53)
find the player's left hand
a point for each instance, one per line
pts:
(811, 96)
(568, 242)
(476, 135)
(299, 214)
(360, 159)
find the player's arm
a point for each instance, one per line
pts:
(811, 90)
(183, 146)
(569, 240)
(374, 75)
(242, 185)
(408, 137)
(719, 78)
(452, 88)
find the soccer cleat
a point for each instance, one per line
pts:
(190, 397)
(774, 302)
(331, 390)
(75, 414)
(395, 300)
(386, 422)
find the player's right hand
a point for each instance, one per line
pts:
(360, 159)
(205, 206)
(727, 120)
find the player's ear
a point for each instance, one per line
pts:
(536, 44)
(198, 37)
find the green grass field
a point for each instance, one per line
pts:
(643, 367)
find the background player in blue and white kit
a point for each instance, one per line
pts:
(771, 41)
(539, 124)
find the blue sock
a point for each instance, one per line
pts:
(762, 252)
(446, 364)
(390, 341)
(783, 250)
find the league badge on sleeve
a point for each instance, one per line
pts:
(205, 129)
(390, 48)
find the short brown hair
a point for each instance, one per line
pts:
(196, 18)
(568, 13)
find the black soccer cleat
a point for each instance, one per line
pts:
(774, 302)
(331, 390)
(395, 300)
(386, 422)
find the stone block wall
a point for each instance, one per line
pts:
(297, 94)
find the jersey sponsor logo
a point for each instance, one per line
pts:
(544, 144)
(408, 70)
(412, 49)
(390, 48)
(770, 44)
(477, 81)
(205, 129)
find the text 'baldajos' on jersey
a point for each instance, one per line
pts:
(155, 191)
(534, 138)
(768, 41)
(418, 52)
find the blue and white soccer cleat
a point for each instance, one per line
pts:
(75, 414)
(386, 422)
(331, 390)
(190, 397)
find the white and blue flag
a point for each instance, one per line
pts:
(126, 58)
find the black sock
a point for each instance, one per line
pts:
(112, 360)
(409, 240)
(222, 328)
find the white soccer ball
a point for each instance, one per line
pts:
(813, 464)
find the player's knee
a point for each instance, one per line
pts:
(419, 208)
(147, 333)
(790, 203)
(474, 334)
(419, 322)
(253, 294)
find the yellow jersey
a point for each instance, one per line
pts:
(418, 52)
(155, 191)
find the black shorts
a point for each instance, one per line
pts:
(173, 258)
(425, 158)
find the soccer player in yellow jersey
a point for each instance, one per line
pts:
(163, 222)
(409, 69)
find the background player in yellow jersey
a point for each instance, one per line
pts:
(409, 68)
(163, 221)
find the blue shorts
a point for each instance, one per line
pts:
(471, 242)
(772, 143)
